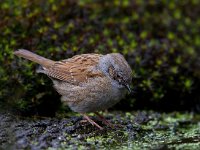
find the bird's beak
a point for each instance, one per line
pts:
(128, 87)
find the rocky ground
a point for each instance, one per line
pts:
(134, 130)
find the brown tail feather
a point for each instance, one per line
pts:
(34, 57)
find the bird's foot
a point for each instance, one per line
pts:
(91, 121)
(104, 120)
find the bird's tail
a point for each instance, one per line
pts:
(34, 57)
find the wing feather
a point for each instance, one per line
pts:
(75, 70)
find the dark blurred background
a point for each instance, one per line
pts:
(160, 39)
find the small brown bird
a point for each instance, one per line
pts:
(87, 82)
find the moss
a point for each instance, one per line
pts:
(160, 40)
(175, 130)
(137, 130)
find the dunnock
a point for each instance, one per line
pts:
(87, 82)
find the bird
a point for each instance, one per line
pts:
(86, 82)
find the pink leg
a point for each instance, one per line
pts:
(106, 122)
(91, 121)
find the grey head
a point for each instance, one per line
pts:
(116, 67)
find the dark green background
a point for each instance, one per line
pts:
(160, 40)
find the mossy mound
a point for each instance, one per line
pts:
(160, 40)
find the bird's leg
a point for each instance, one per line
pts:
(91, 121)
(106, 122)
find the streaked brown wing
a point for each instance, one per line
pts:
(75, 70)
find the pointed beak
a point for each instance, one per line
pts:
(128, 87)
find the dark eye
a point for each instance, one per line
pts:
(118, 76)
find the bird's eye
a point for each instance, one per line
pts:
(119, 78)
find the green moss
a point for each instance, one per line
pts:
(142, 130)
(163, 51)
